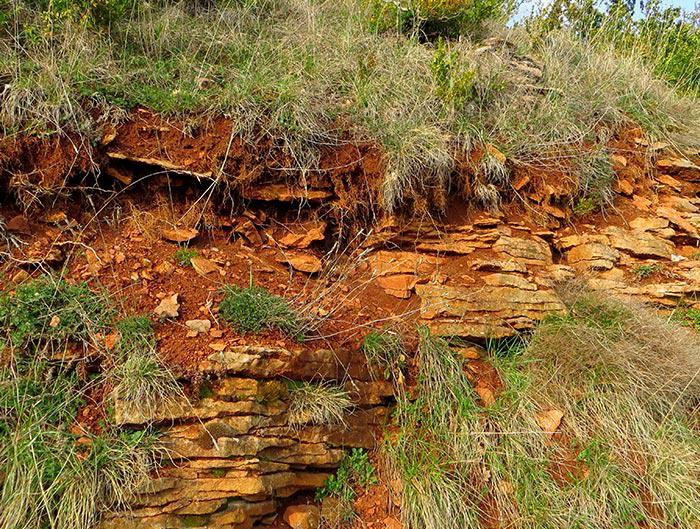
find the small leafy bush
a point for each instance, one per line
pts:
(135, 334)
(436, 18)
(184, 256)
(52, 311)
(355, 470)
(646, 270)
(254, 309)
(455, 83)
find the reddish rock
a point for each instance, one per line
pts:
(302, 516)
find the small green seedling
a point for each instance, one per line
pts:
(184, 256)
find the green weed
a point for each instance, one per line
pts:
(647, 270)
(355, 471)
(184, 256)
(253, 309)
(386, 350)
(51, 312)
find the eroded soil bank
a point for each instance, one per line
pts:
(115, 213)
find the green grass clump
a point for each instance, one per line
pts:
(184, 256)
(386, 350)
(647, 270)
(52, 311)
(254, 309)
(687, 316)
(140, 380)
(49, 479)
(322, 404)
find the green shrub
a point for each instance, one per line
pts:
(646, 270)
(184, 256)
(52, 312)
(135, 334)
(437, 18)
(355, 470)
(253, 309)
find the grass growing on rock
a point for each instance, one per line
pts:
(56, 472)
(140, 380)
(254, 309)
(593, 427)
(386, 350)
(321, 404)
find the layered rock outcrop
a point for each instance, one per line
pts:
(234, 454)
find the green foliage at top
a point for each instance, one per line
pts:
(355, 471)
(254, 309)
(665, 37)
(542, 92)
(437, 18)
(53, 311)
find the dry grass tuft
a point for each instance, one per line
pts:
(321, 404)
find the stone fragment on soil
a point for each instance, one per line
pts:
(303, 262)
(302, 516)
(639, 243)
(198, 326)
(168, 307)
(303, 235)
(204, 266)
(549, 420)
(676, 163)
(179, 235)
(592, 256)
(385, 263)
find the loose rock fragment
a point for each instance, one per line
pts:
(302, 516)
(198, 326)
(549, 420)
(180, 234)
(168, 307)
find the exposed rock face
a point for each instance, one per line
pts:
(234, 454)
(508, 304)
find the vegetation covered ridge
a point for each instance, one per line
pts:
(437, 86)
